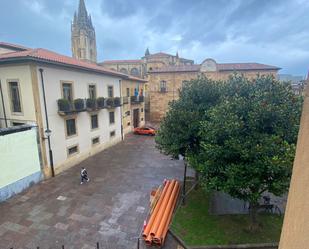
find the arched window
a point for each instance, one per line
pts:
(123, 70)
(134, 71)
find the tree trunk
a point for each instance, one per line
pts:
(196, 180)
(254, 225)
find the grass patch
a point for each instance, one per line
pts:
(196, 226)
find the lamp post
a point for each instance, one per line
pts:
(51, 159)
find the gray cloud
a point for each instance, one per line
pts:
(274, 32)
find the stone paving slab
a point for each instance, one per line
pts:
(111, 208)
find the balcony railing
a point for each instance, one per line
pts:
(66, 107)
(137, 99)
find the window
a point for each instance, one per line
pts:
(111, 117)
(95, 140)
(67, 91)
(94, 121)
(72, 150)
(162, 86)
(92, 92)
(70, 127)
(112, 133)
(142, 109)
(128, 92)
(15, 97)
(17, 124)
(135, 71)
(110, 91)
(123, 70)
(127, 113)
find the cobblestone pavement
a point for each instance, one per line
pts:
(110, 208)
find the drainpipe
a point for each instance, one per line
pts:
(121, 101)
(48, 131)
(5, 120)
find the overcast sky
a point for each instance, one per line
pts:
(274, 32)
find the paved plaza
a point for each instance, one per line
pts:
(110, 209)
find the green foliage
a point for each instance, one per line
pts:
(179, 129)
(247, 143)
(240, 135)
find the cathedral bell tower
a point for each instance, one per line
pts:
(83, 35)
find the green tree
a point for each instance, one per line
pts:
(179, 130)
(247, 141)
(239, 135)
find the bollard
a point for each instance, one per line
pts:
(62, 246)
(137, 243)
(98, 245)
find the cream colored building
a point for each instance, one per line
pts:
(78, 129)
(133, 107)
(295, 231)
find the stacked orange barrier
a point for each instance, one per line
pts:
(159, 221)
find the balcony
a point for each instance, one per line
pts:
(65, 107)
(137, 99)
(112, 102)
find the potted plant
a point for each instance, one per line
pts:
(100, 102)
(91, 104)
(63, 105)
(117, 101)
(110, 102)
(79, 105)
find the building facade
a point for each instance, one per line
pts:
(82, 102)
(83, 36)
(165, 82)
(148, 62)
(133, 105)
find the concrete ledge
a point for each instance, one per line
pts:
(20, 185)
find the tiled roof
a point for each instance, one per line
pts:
(44, 55)
(244, 66)
(12, 46)
(220, 67)
(120, 61)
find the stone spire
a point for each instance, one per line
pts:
(147, 52)
(83, 35)
(82, 12)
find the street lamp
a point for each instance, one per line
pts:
(48, 133)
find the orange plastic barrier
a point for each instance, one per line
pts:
(159, 221)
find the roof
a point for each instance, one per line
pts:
(220, 67)
(46, 56)
(120, 61)
(244, 66)
(160, 54)
(12, 46)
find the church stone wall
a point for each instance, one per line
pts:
(174, 80)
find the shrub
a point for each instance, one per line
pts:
(63, 105)
(100, 102)
(79, 104)
(91, 103)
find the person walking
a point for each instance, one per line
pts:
(84, 176)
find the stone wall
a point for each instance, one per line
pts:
(174, 81)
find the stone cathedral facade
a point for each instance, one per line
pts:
(83, 35)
